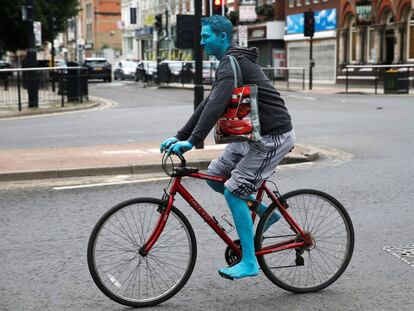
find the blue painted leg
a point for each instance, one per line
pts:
(244, 225)
(262, 209)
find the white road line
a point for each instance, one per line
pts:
(110, 183)
(133, 151)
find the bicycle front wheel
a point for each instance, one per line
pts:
(314, 267)
(125, 275)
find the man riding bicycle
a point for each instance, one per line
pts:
(245, 164)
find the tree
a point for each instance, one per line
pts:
(53, 15)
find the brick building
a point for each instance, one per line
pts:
(100, 25)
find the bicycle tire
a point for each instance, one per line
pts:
(123, 244)
(283, 268)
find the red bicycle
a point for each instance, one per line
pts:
(142, 251)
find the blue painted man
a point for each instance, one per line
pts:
(245, 164)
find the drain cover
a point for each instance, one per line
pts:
(404, 253)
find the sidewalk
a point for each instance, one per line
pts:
(41, 163)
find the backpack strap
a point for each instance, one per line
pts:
(238, 77)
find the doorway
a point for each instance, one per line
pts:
(390, 41)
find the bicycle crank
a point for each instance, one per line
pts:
(231, 257)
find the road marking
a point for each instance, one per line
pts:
(111, 183)
(106, 104)
(133, 151)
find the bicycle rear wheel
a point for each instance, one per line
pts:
(118, 268)
(311, 268)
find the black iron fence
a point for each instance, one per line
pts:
(286, 78)
(181, 72)
(387, 79)
(54, 85)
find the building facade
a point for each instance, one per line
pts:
(130, 23)
(376, 32)
(324, 40)
(100, 20)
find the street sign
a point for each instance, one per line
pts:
(243, 37)
(247, 13)
(37, 30)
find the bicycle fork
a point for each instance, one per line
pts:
(164, 211)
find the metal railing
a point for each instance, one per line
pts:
(183, 73)
(53, 85)
(286, 77)
(392, 78)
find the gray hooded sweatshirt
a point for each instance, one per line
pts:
(273, 115)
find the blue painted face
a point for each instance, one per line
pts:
(212, 43)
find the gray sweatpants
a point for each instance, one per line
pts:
(248, 164)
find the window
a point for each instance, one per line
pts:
(133, 15)
(291, 3)
(315, 1)
(411, 37)
(88, 12)
(89, 33)
(307, 2)
(372, 51)
(298, 2)
(130, 44)
(352, 41)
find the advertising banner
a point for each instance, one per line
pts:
(324, 20)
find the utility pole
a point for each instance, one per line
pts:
(32, 85)
(198, 59)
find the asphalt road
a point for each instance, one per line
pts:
(45, 231)
(145, 114)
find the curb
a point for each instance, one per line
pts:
(129, 169)
(94, 102)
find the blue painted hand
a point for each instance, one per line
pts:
(180, 147)
(167, 143)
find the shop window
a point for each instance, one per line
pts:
(372, 51)
(352, 41)
(411, 37)
(130, 44)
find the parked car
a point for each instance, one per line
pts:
(125, 69)
(98, 68)
(146, 71)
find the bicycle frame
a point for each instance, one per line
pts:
(177, 187)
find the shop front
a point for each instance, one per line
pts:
(324, 45)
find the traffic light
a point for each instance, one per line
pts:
(309, 24)
(158, 22)
(217, 7)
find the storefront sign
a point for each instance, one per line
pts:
(248, 2)
(247, 13)
(258, 33)
(142, 32)
(324, 20)
(363, 12)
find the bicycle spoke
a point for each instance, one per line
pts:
(325, 259)
(129, 275)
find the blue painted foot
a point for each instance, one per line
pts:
(241, 270)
